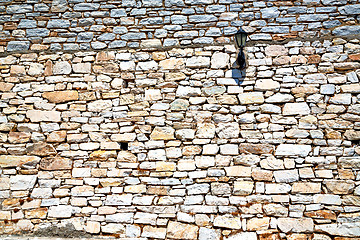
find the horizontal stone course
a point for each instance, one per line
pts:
(174, 25)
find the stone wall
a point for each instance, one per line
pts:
(158, 141)
(72, 25)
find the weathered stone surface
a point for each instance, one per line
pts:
(7, 161)
(296, 225)
(251, 98)
(153, 232)
(55, 163)
(41, 149)
(296, 109)
(22, 182)
(178, 230)
(61, 96)
(162, 133)
(256, 148)
(61, 211)
(343, 229)
(229, 222)
(293, 150)
(43, 116)
(243, 188)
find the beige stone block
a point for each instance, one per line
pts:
(92, 227)
(306, 187)
(43, 116)
(178, 230)
(162, 133)
(141, 188)
(36, 213)
(243, 188)
(256, 224)
(15, 161)
(251, 98)
(55, 163)
(238, 171)
(228, 222)
(61, 96)
(165, 166)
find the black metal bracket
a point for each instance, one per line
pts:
(241, 61)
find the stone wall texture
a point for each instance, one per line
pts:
(130, 119)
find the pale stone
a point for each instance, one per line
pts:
(205, 130)
(293, 150)
(276, 210)
(22, 182)
(162, 133)
(61, 68)
(238, 171)
(229, 222)
(82, 191)
(228, 130)
(306, 187)
(243, 188)
(43, 116)
(251, 98)
(296, 109)
(99, 105)
(171, 64)
(273, 188)
(82, 67)
(92, 227)
(152, 95)
(256, 224)
(266, 84)
(113, 228)
(36, 69)
(178, 230)
(185, 134)
(342, 229)
(61, 211)
(17, 161)
(154, 232)
(296, 225)
(198, 62)
(276, 50)
(209, 234)
(242, 236)
(119, 200)
(286, 176)
(220, 60)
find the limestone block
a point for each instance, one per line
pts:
(296, 109)
(17, 161)
(220, 60)
(293, 150)
(61, 68)
(43, 116)
(154, 232)
(228, 222)
(296, 225)
(243, 188)
(251, 98)
(177, 230)
(22, 182)
(61, 211)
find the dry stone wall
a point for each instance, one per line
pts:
(164, 138)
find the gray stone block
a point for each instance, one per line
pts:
(18, 46)
(37, 32)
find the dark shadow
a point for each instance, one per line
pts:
(238, 74)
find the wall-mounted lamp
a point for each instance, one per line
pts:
(240, 39)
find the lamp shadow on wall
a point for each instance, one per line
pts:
(238, 74)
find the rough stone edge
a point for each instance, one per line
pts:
(250, 43)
